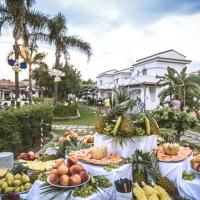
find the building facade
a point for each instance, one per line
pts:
(141, 79)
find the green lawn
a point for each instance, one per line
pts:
(87, 118)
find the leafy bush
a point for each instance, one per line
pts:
(66, 109)
(175, 119)
(38, 99)
(20, 128)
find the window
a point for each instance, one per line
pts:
(144, 72)
(152, 91)
(138, 73)
(100, 82)
(117, 80)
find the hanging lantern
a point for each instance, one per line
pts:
(11, 62)
(23, 65)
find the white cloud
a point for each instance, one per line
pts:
(120, 46)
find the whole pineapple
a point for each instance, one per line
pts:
(160, 180)
(127, 126)
(34, 176)
(154, 128)
(101, 123)
(140, 165)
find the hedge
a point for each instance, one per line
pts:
(20, 128)
(66, 109)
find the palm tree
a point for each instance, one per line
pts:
(178, 83)
(57, 35)
(17, 14)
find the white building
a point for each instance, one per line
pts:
(141, 80)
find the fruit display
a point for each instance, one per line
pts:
(188, 176)
(138, 192)
(86, 156)
(161, 192)
(170, 149)
(27, 156)
(70, 174)
(39, 165)
(127, 126)
(15, 183)
(195, 163)
(182, 154)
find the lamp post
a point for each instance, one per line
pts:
(16, 48)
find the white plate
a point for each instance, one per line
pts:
(69, 186)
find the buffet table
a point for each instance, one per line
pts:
(34, 194)
(145, 144)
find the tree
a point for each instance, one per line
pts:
(57, 35)
(17, 14)
(70, 84)
(185, 87)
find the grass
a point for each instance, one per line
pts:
(87, 118)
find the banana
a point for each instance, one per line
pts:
(117, 125)
(147, 125)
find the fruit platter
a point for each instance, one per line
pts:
(87, 139)
(68, 175)
(98, 156)
(173, 152)
(17, 183)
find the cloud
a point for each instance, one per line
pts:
(121, 32)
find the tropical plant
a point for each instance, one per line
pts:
(18, 15)
(57, 35)
(178, 83)
(120, 95)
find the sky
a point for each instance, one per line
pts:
(119, 31)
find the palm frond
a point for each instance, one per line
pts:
(75, 42)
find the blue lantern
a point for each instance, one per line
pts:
(11, 62)
(23, 65)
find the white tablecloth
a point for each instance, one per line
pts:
(34, 194)
(124, 171)
(173, 171)
(145, 144)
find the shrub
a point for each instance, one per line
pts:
(20, 128)
(65, 109)
(175, 119)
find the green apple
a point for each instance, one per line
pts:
(25, 179)
(17, 182)
(27, 186)
(18, 177)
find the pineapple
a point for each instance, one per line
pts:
(127, 126)
(140, 165)
(101, 123)
(160, 180)
(154, 128)
(34, 176)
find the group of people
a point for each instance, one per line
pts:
(103, 104)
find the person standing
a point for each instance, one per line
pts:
(175, 102)
(107, 104)
(99, 104)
